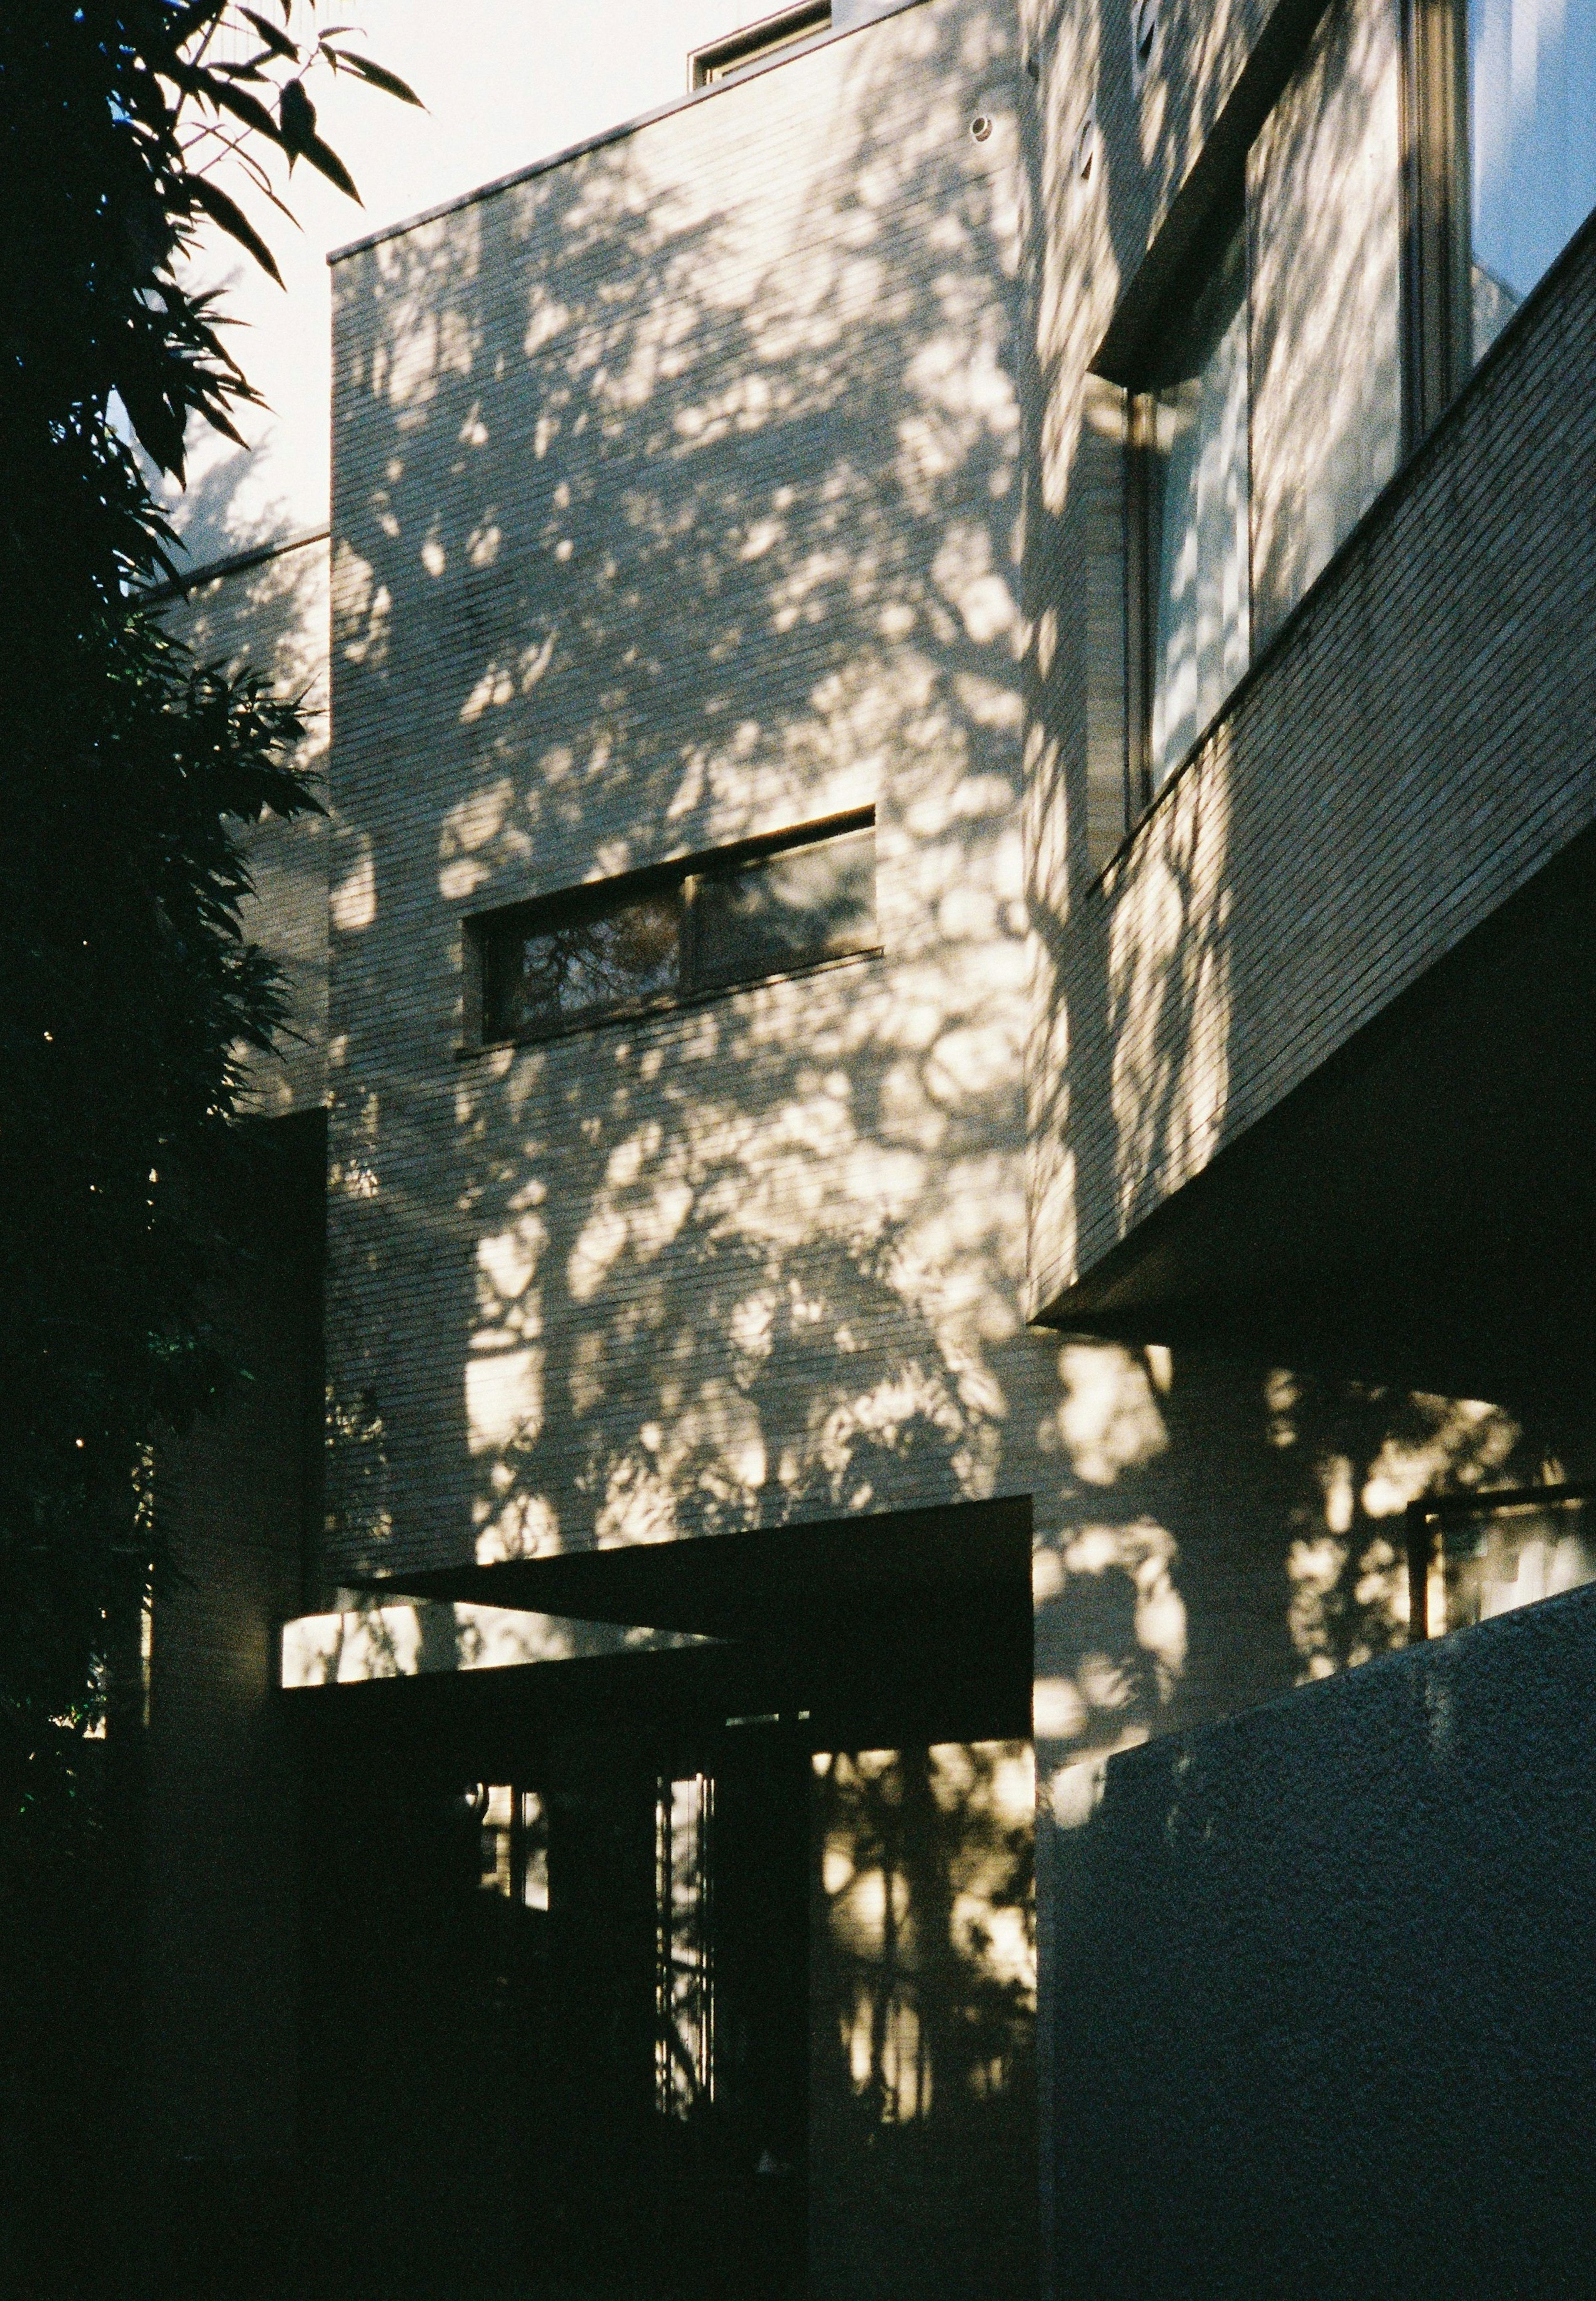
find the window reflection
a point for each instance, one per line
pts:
(1325, 224)
(791, 911)
(1199, 515)
(706, 923)
(1491, 1566)
(597, 954)
(1531, 121)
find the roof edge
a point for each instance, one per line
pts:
(616, 134)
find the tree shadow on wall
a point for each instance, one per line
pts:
(668, 509)
(922, 1966)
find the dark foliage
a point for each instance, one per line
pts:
(127, 987)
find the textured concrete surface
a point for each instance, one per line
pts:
(1328, 1985)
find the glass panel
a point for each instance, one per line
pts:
(534, 1841)
(1198, 544)
(1324, 226)
(684, 1983)
(596, 955)
(790, 910)
(1492, 1565)
(495, 1869)
(1532, 124)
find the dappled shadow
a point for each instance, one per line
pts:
(923, 2002)
(706, 474)
(676, 499)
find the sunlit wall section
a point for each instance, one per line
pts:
(676, 503)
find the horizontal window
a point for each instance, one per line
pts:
(711, 924)
(757, 43)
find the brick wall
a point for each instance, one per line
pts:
(1411, 749)
(675, 498)
(677, 490)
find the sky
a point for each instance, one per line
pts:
(505, 82)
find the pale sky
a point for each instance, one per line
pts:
(505, 82)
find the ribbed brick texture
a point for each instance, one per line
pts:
(675, 498)
(1413, 749)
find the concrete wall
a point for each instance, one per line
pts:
(1413, 747)
(1332, 1975)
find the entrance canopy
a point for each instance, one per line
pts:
(914, 1615)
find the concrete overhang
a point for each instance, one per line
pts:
(777, 1582)
(863, 1623)
(1423, 1208)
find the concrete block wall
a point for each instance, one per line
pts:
(1414, 746)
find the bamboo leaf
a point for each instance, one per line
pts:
(278, 42)
(378, 76)
(323, 157)
(231, 216)
(297, 115)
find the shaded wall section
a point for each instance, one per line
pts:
(238, 1498)
(1328, 1986)
(266, 611)
(922, 1996)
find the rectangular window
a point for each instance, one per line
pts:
(756, 44)
(684, 1935)
(514, 1843)
(1189, 503)
(1531, 147)
(711, 924)
(1324, 229)
(1473, 1556)
(1269, 414)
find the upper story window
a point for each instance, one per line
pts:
(1531, 147)
(1267, 410)
(756, 44)
(1418, 173)
(651, 938)
(1189, 503)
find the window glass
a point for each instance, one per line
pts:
(1199, 504)
(1325, 234)
(1493, 1564)
(594, 955)
(785, 911)
(575, 957)
(1532, 124)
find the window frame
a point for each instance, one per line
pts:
(1142, 504)
(482, 929)
(765, 40)
(1434, 332)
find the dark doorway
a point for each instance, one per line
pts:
(564, 1933)
(559, 2016)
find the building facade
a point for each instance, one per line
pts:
(949, 1022)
